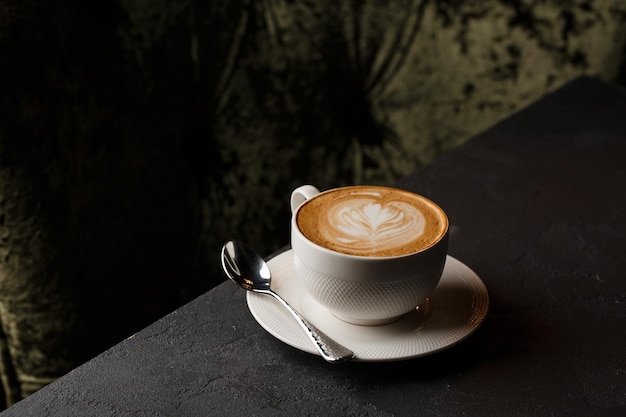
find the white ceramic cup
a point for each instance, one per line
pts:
(365, 290)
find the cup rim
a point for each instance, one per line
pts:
(440, 238)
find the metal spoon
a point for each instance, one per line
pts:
(248, 270)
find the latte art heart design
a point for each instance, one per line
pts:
(370, 222)
(366, 225)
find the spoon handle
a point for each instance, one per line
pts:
(330, 350)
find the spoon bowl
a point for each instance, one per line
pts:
(245, 267)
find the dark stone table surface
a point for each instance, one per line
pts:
(537, 206)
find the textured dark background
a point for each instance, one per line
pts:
(137, 136)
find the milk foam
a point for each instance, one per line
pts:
(371, 221)
(365, 224)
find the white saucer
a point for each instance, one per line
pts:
(454, 311)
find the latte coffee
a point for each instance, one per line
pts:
(371, 221)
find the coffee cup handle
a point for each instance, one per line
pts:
(301, 194)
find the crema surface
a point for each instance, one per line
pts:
(371, 221)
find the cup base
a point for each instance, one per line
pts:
(367, 322)
(423, 309)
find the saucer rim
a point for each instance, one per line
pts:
(475, 317)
